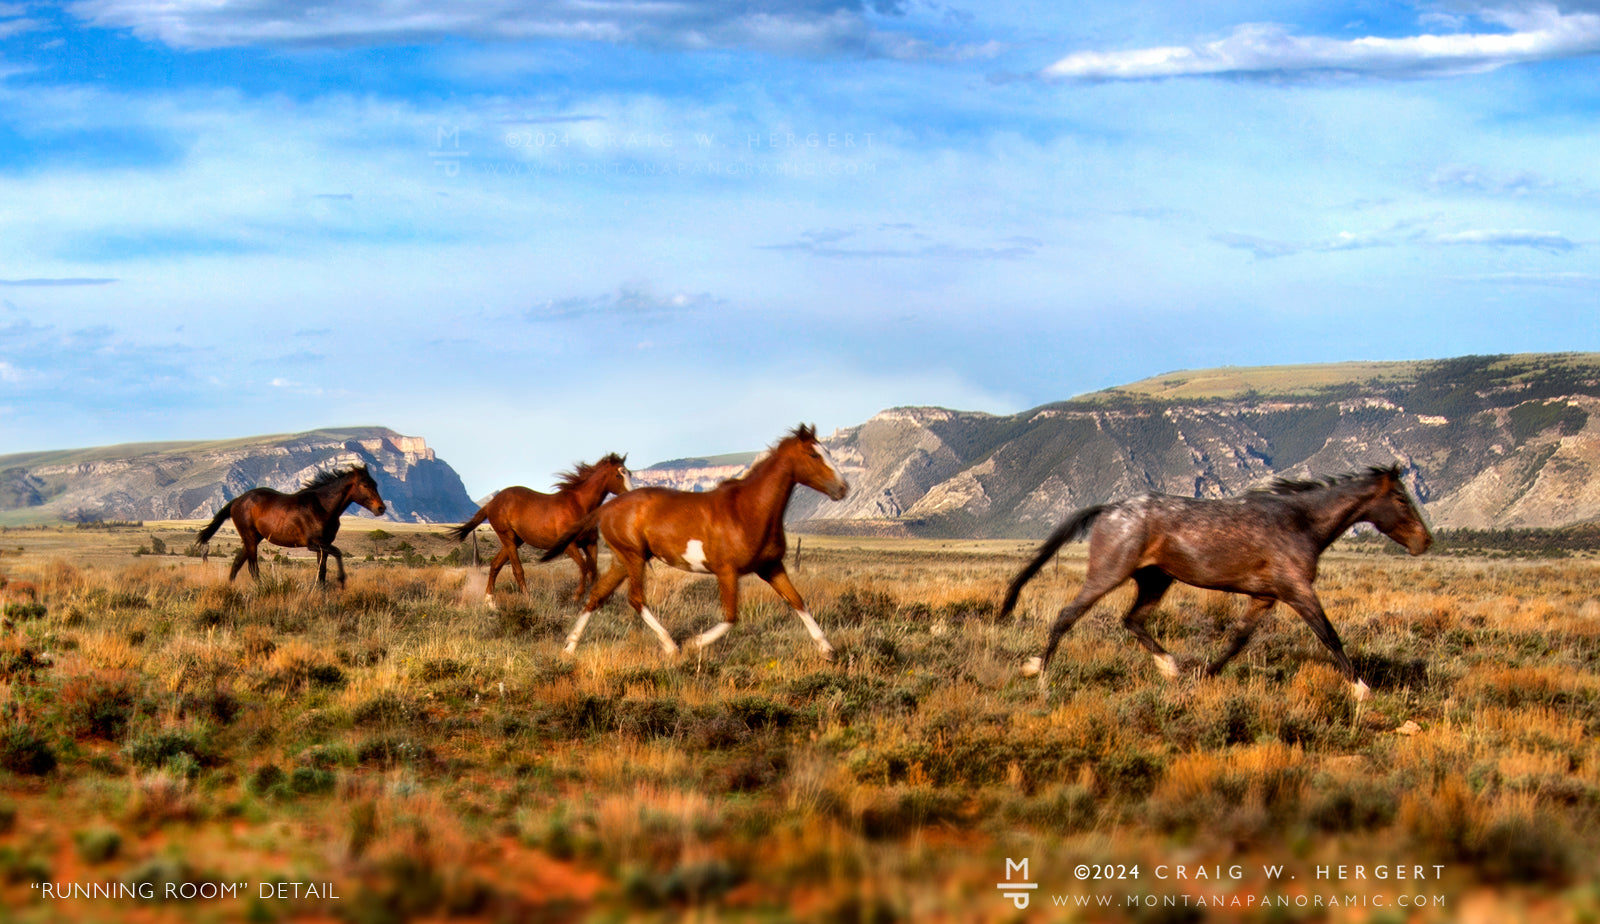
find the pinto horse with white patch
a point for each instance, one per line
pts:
(731, 530)
(522, 515)
(1264, 544)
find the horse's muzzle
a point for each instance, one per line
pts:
(839, 490)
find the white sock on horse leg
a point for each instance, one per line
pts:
(1360, 690)
(816, 633)
(667, 643)
(1168, 665)
(577, 631)
(704, 639)
(1032, 666)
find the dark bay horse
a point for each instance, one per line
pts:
(736, 528)
(520, 515)
(1264, 544)
(308, 518)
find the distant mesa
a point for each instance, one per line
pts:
(191, 480)
(1486, 441)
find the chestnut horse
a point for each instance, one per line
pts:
(308, 518)
(1263, 544)
(520, 515)
(736, 528)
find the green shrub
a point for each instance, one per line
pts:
(24, 753)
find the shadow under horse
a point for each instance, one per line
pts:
(736, 528)
(1264, 544)
(522, 515)
(308, 518)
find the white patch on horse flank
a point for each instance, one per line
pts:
(694, 555)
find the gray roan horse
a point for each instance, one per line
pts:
(1263, 544)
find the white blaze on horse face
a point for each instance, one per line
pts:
(694, 555)
(833, 470)
(627, 480)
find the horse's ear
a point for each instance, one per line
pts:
(807, 432)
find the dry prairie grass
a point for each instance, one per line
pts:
(432, 757)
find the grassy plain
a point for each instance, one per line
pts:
(405, 753)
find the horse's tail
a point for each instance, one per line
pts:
(1074, 528)
(585, 525)
(460, 533)
(216, 523)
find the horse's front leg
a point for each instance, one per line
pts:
(1153, 584)
(1305, 602)
(338, 561)
(728, 584)
(1259, 606)
(775, 575)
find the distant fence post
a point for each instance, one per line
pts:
(797, 542)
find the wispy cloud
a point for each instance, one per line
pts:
(1267, 248)
(797, 27)
(1539, 240)
(1537, 33)
(1551, 280)
(902, 242)
(628, 302)
(58, 281)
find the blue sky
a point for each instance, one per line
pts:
(537, 232)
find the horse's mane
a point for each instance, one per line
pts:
(1301, 486)
(583, 470)
(805, 432)
(323, 479)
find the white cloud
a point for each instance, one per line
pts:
(1266, 49)
(1539, 240)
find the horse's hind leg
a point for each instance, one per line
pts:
(1152, 583)
(585, 567)
(515, 547)
(1241, 636)
(507, 550)
(1310, 609)
(1091, 591)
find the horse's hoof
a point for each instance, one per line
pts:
(1360, 691)
(488, 601)
(1032, 667)
(826, 650)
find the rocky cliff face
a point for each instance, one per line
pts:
(165, 481)
(1485, 442)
